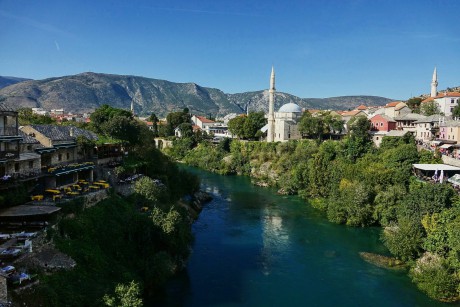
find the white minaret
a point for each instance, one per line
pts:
(434, 84)
(271, 107)
(132, 106)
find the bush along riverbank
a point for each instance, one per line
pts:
(124, 247)
(359, 185)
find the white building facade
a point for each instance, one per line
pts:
(286, 123)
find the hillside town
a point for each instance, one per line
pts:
(29, 151)
(57, 163)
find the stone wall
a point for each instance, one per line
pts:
(95, 197)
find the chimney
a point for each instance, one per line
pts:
(71, 132)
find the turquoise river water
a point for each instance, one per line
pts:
(255, 248)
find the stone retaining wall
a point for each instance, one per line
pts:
(94, 197)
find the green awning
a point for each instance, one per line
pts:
(65, 171)
(45, 150)
(65, 145)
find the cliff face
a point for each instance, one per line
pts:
(88, 91)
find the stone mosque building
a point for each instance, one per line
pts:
(282, 125)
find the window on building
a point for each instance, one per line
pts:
(452, 100)
(68, 156)
(381, 124)
(16, 167)
(377, 138)
(31, 164)
(60, 157)
(29, 147)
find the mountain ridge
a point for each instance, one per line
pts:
(7, 80)
(87, 91)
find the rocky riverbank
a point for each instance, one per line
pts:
(383, 261)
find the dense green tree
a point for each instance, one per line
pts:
(414, 104)
(105, 113)
(126, 295)
(358, 141)
(123, 128)
(352, 204)
(320, 125)
(236, 126)
(180, 148)
(252, 125)
(85, 145)
(174, 119)
(174, 229)
(324, 170)
(389, 142)
(224, 144)
(186, 130)
(154, 119)
(437, 280)
(311, 127)
(428, 157)
(27, 117)
(404, 239)
(163, 130)
(429, 108)
(425, 199)
(386, 203)
(440, 237)
(151, 190)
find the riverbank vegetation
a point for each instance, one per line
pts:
(126, 246)
(113, 244)
(356, 184)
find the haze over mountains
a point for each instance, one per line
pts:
(87, 91)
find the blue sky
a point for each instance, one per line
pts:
(319, 48)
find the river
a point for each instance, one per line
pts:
(255, 248)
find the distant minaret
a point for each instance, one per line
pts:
(434, 84)
(271, 107)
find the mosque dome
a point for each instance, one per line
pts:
(290, 108)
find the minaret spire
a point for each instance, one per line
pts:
(271, 107)
(272, 79)
(434, 83)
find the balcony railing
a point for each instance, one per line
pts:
(9, 154)
(8, 131)
(15, 176)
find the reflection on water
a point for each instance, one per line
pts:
(275, 239)
(255, 248)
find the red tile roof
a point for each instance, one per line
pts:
(204, 120)
(392, 104)
(351, 113)
(361, 107)
(448, 94)
(428, 99)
